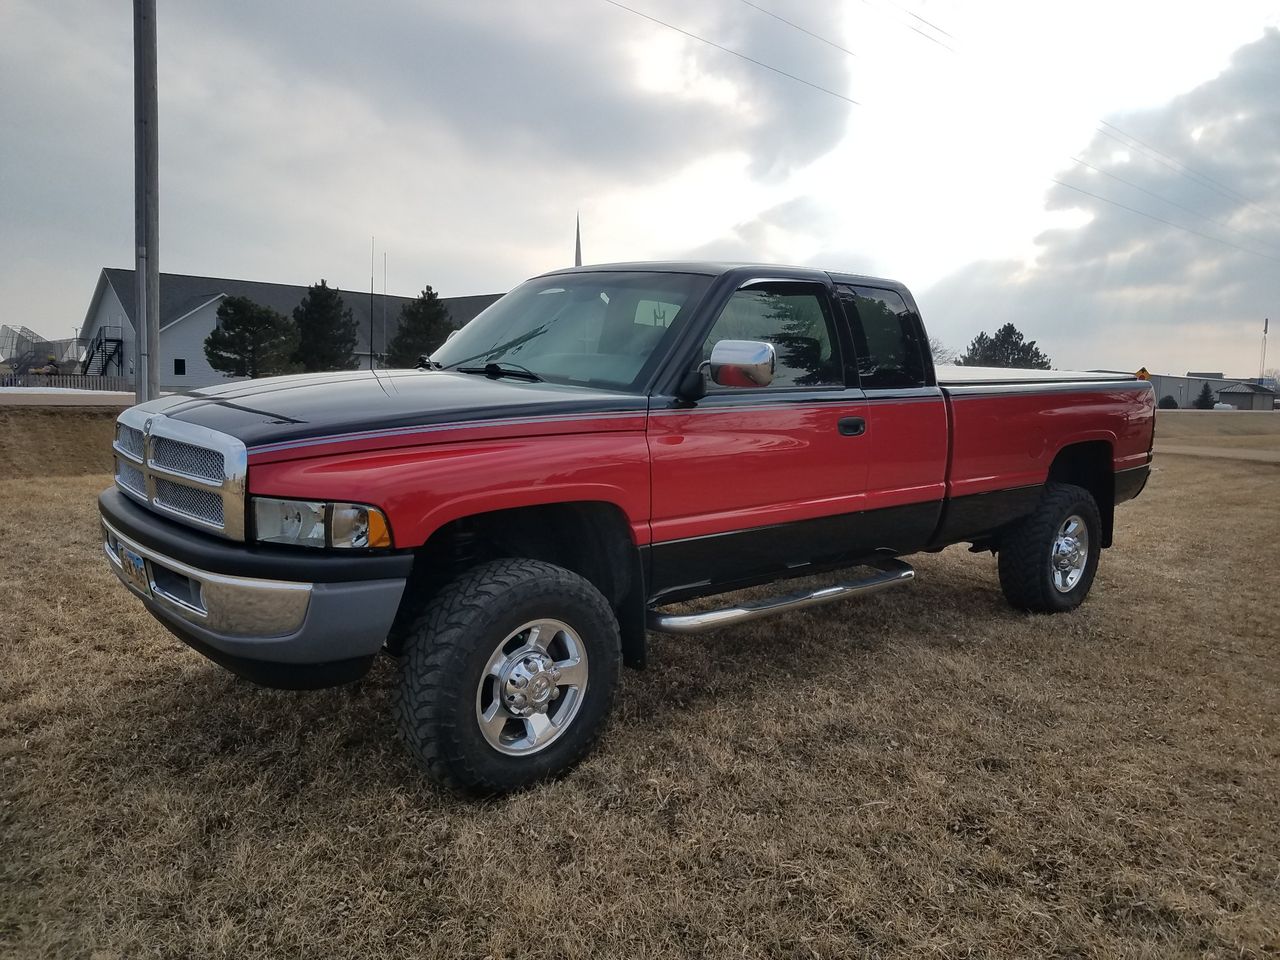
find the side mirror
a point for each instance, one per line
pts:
(742, 363)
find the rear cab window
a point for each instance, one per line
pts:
(887, 338)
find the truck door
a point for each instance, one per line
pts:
(752, 480)
(906, 413)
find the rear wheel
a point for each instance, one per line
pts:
(1048, 560)
(508, 676)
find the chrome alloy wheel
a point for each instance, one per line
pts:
(532, 687)
(1070, 554)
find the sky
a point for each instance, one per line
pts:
(466, 137)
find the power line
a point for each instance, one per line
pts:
(1202, 180)
(790, 23)
(908, 26)
(1152, 193)
(740, 56)
(1229, 193)
(1174, 203)
(840, 96)
(1149, 216)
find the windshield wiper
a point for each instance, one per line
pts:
(496, 370)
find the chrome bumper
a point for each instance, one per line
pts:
(268, 627)
(226, 605)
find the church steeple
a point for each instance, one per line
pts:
(577, 240)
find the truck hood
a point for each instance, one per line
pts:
(282, 409)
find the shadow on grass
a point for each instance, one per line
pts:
(190, 725)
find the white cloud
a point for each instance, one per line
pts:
(466, 135)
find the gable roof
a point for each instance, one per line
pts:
(181, 294)
(1246, 388)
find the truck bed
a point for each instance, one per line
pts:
(956, 375)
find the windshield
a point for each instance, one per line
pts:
(589, 329)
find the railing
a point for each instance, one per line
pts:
(74, 381)
(103, 351)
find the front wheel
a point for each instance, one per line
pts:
(508, 676)
(1048, 560)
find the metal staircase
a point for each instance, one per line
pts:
(107, 348)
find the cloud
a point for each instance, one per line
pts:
(1126, 290)
(463, 135)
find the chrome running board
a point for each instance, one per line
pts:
(890, 573)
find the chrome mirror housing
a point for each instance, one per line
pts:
(742, 363)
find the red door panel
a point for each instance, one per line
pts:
(732, 464)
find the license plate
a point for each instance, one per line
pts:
(134, 570)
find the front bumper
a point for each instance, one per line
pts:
(246, 607)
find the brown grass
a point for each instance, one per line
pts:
(1226, 429)
(55, 441)
(924, 774)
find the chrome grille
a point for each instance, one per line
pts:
(190, 473)
(129, 440)
(130, 477)
(187, 458)
(202, 505)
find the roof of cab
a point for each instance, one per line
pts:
(715, 268)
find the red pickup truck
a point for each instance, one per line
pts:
(600, 444)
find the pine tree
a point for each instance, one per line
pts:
(251, 340)
(326, 330)
(424, 324)
(1007, 348)
(1204, 399)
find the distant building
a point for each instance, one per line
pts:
(1184, 390)
(1248, 396)
(1258, 394)
(188, 312)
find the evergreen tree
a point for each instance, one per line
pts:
(424, 324)
(251, 340)
(1167, 403)
(1204, 399)
(326, 330)
(1006, 348)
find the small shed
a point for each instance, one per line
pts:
(1248, 396)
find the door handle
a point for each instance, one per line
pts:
(852, 426)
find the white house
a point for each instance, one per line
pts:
(188, 312)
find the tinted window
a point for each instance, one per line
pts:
(797, 321)
(179, 367)
(594, 329)
(885, 337)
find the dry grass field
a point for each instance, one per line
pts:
(924, 774)
(1219, 429)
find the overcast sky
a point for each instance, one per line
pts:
(465, 137)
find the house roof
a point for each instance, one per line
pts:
(1246, 388)
(182, 293)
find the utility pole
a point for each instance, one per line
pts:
(146, 203)
(1262, 365)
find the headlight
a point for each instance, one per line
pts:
(315, 523)
(355, 525)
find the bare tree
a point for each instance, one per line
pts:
(941, 352)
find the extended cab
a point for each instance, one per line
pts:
(598, 445)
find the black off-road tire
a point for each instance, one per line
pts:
(443, 660)
(1026, 573)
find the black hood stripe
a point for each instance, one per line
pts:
(442, 427)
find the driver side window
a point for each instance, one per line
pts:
(797, 320)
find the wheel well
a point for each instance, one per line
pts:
(1089, 465)
(592, 539)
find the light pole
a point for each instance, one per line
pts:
(146, 204)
